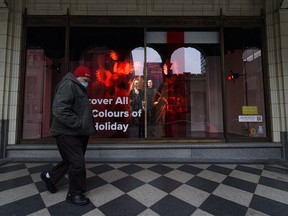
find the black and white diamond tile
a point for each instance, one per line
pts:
(147, 194)
(191, 195)
(123, 205)
(171, 205)
(152, 189)
(220, 207)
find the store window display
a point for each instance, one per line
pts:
(185, 99)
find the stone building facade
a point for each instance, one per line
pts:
(272, 16)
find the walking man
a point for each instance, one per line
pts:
(72, 125)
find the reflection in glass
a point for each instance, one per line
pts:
(186, 59)
(245, 93)
(188, 101)
(107, 52)
(44, 67)
(180, 78)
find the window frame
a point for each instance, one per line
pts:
(219, 22)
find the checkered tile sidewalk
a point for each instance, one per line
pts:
(131, 189)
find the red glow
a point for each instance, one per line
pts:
(230, 77)
(112, 80)
(124, 68)
(165, 69)
(114, 55)
(104, 77)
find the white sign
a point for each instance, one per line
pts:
(250, 118)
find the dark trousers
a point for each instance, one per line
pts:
(72, 150)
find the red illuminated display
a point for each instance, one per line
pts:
(111, 100)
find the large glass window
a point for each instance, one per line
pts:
(188, 101)
(118, 113)
(154, 83)
(44, 65)
(245, 91)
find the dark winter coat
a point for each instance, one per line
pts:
(72, 114)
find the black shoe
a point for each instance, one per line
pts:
(50, 187)
(78, 200)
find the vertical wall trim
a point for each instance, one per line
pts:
(3, 137)
(22, 76)
(266, 83)
(145, 80)
(284, 141)
(223, 76)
